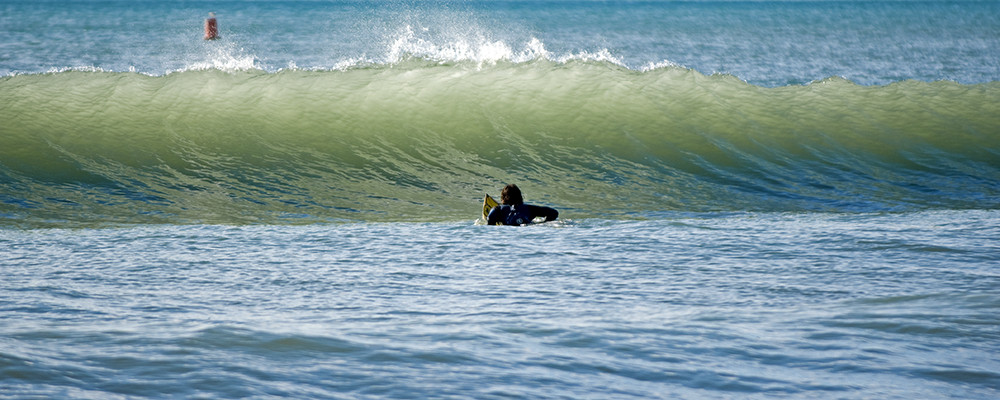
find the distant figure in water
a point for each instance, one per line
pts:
(513, 211)
(211, 27)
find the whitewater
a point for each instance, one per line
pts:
(758, 199)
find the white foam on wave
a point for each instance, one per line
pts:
(224, 56)
(659, 65)
(89, 68)
(481, 49)
(477, 48)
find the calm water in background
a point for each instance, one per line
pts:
(759, 199)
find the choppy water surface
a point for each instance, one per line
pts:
(713, 305)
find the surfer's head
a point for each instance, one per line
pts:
(511, 195)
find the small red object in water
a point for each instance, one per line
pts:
(211, 28)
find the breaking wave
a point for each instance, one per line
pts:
(422, 138)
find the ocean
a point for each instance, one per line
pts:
(758, 199)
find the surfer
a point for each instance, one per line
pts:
(211, 27)
(513, 211)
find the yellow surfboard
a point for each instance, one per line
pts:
(488, 204)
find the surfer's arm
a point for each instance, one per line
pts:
(549, 213)
(493, 218)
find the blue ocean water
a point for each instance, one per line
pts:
(739, 305)
(758, 199)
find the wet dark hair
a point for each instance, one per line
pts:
(511, 195)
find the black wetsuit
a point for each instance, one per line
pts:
(520, 214)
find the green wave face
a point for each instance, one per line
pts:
(422, 141)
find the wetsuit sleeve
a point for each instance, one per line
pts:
(550, 214)
(493, 218)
